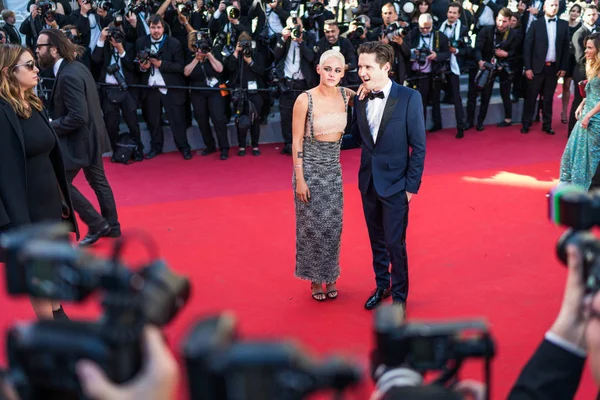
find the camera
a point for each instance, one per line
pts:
(296, 32)
(394, 29)
(221, 366)
(315, 9)
(423, 347)
(406, 12)
(136, 8)
(144, 55)
(75, 39)
(118, 18)
(41, 263)
(575, 208)
(465, 41)
(116, 33)
(115, 71)
(233, 12)
(360, 30)
(202, 42)
(47, 10)
(248, 47)
(104, 5)
(485, 76)
(186, 8)
(424, 52)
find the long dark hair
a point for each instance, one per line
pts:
(64, 47)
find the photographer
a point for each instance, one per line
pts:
(135, 22)
(229, 23)
(117, 70)
(487, 12)
(9, 27)
(332, 40)
(161, 61)
(493, 48)
(314, 18)
(429, 55)
(42, 16)
(294, 57)
(205, 70)
(357, 31)
(247, 69)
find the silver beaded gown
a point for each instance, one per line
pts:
(319, 222)
(582, 153)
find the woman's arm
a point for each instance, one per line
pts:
(350, 94)
(298, 125)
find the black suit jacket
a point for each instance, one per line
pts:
(461, 34)
(577, 40)
(104, 55)
(77, 116)
(552, 373)
(12, 33)
(306, 52)
(484, 46)
(171, 55)
(535, 46)
(13, 174)
(389, 163)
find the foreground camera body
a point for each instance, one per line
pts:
(42, 355)
(221, 367)
(579, 210)
(47, 10)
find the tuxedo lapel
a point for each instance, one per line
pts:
(363, 124)
(388, 111)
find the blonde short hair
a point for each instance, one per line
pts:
(332, 53)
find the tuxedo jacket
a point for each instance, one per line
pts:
(12, 34)
(77, 116)
(171, 69)
(535, 46)
(307, 57)
(485, 45)
(460, 32)
(103, 56)
(13, 172)
(577, 40)
(395, 162)
(551, 374)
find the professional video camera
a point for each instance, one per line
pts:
(202, 42)
(222, 367)
(47, 10)
(394, 29)
(421, 347)
(75, 39)
(571, 206)
(248, 47)
(144, 55)
(186, 8)
(315, 10)
(41, 263)
(116, 33)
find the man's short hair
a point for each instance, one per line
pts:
(384, 53)
(505, 12)
(155, 20)
(457, 5)
(7, 14)
(590, 7)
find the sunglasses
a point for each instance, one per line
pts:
(30, 65)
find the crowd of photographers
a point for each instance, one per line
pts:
(184, 59)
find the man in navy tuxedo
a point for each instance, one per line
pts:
(390, 124)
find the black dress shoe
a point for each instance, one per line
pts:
(548, 130)
(152, 154)
(287, 149)
(187, 154)
(92, 237)
(468, 126)
(504, 124)
(138, 156)
(460, 134)
(224, 155)
(435, 129)
(480, 127)
(376, 297)
(525, 129)
(208, 151)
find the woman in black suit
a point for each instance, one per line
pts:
(33, 184)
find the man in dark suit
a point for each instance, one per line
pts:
(588, 26)
(545, 58)
(164, 68)
(390, 123)
(11, 30)
(77, 119)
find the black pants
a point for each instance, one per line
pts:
(96, 177)
(430, 94)
(453, 82)
(486, 95)
(544, 83)
(151, 110)
(211, 105)
(257, 100)
(387, 220)
(112, 118)
(577, 99)
(286, 108)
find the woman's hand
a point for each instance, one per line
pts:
(585, 122)
(302, 191)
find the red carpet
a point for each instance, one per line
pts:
(479, 244)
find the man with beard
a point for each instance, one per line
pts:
(77, 119)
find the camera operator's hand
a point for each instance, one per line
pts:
(156, 63)
(521, 7)
(481, 64)
(132, 19)
(101, 12)
(571, 321)
(286, 33)
(85, 9)
(432, 56)
(383, 39)
(501, 53)
(118, 46)
(273, 5)
(104, 34)
(200, 56)
(470, 389)
(52, 23)
(453, 50)
(146, 65)
(533, 10)
(222, 7)
(182, 18)
(34, 10)
(529, 74)
(398, 39)
(248, 59)
(157, 379)
(561, 73)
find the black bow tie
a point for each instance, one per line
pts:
(425, 36)
(552, 20)
(374, 95)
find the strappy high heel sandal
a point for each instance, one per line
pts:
(318, 296)
(332, 294)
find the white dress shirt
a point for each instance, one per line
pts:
(551, 28)
(291, 67)
(56, 66)
(156, 78)
(375, 109)
(95, 30)
(110, 79)
(487, 16)
(452, 32)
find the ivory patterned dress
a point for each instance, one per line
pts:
(582, 153)
(319, 222)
